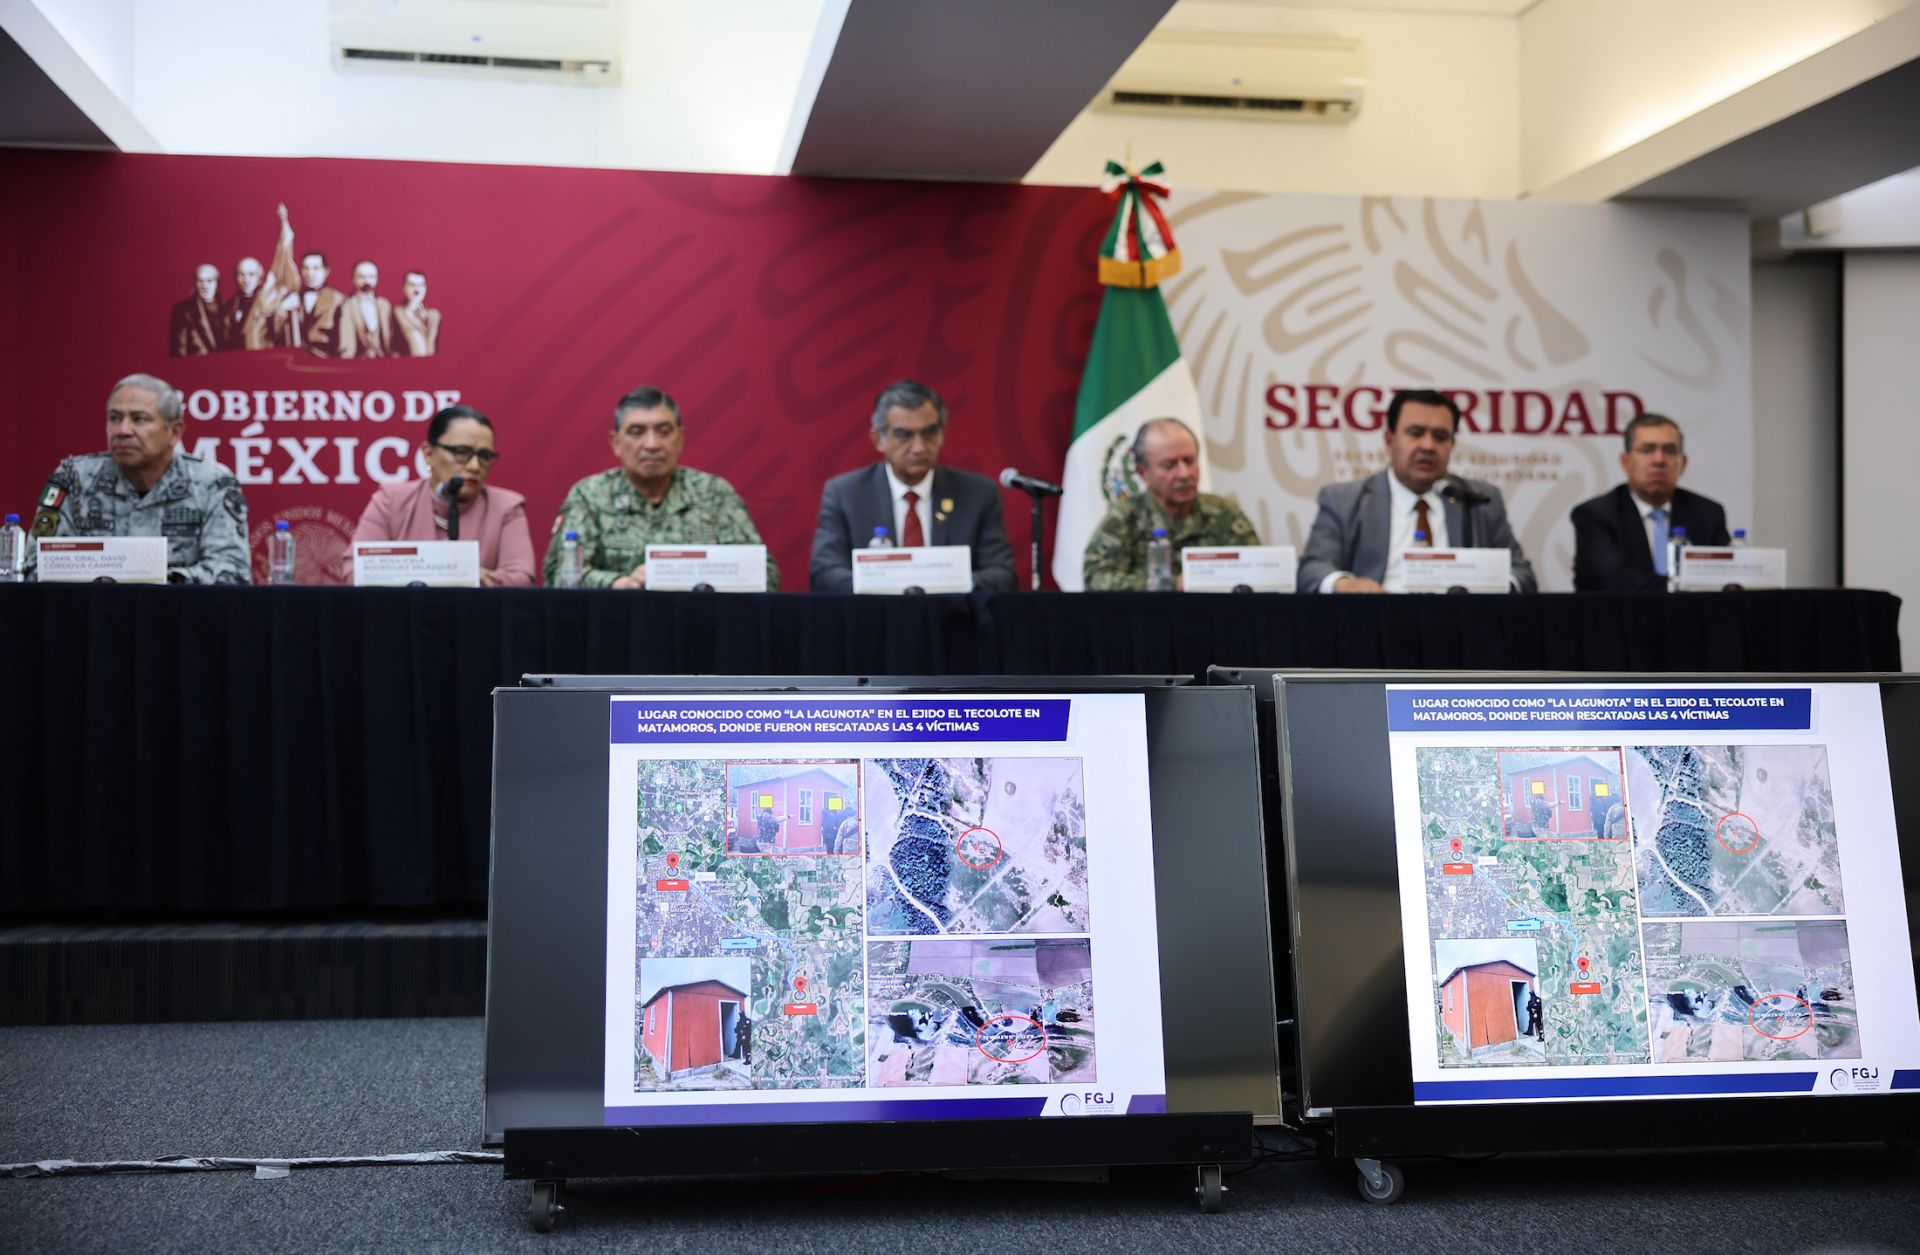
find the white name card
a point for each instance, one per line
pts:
(1223, 568)
(1708, 569)
(399, 563)
(1476, 570)
(725, 568)
(931, 568)
(103, 559)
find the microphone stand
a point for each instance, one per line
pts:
(1035, 498)
(454, 487)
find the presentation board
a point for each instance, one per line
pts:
(762, 904)
(831, 908)
(1519, 890)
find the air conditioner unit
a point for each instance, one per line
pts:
(1262, 78)
(549, 41)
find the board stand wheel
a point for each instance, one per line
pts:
(1208, 1188)
(1380, 1183)
(546, 1205)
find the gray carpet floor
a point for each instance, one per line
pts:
(267, 1090)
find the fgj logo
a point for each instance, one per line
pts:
(1090, 1102)
(1070, 1104)
(1854, 1080)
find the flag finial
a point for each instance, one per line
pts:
(1138, 251)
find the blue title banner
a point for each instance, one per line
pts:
(834, 720)
(1599, 709)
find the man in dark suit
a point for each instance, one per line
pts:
(1365, 526)
(1620, 537)
(195, 327)
(918, 501)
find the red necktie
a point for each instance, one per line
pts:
(911, 535)
(1422, 522)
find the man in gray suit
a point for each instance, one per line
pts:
(1365, 526)
(916, 500)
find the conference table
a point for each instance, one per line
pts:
(173, 750)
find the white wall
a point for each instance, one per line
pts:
(1796, 417)
(1439, 118)
(1598, 76)
(697, 94)
(1880, 370)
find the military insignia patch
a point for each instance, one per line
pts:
(46, 523)
(237, 505)
(52, 497)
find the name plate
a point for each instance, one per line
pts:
(1223, 568)
(1476, 570)
(931, 568)
(726, 568)
(1708, 569)
(400, 563)
(103, 559)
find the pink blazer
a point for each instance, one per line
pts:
(497, 519)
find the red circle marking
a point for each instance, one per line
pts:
(1776, 1036)
(999, 849)
(981, 1046)
(800, 984)
(1720, 828)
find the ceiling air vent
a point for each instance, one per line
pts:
(1256, 77)
(551, 41)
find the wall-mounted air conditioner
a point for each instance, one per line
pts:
(549, 41)
(1261, 78)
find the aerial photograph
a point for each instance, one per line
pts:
(1727, 990)
(976, 845)
(981, 1012)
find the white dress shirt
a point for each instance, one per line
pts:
(369, 312)
(923, 507)
(1646, 509)
(1401, 513)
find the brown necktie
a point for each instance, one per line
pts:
(911, 535)
(1422, 522)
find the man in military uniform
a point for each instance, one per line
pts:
(1536, 1027)
(649, 499)
(1166, 457)
(144, 486)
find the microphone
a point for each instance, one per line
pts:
(1011, 478)
(451, 491)
(1456, 492)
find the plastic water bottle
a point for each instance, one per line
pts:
(1739, 538)
(568, 575)
(882, 538)
(1159, 562)
(280, 554)
(1676, 541)
(13, 551)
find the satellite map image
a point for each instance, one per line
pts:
(1734, 830)
(1727, 990)
(975, 845)
(981, 1012)
(792, 912)
(1530, 845)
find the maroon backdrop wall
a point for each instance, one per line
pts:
(773, 309)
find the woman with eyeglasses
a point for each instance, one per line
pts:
(459, 443)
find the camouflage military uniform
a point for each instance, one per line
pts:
(1117, 555)
(616, 523)
(197, 505)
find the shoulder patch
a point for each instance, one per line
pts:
(236, 502)
(46, 522)
(52, 496)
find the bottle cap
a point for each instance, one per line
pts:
(1738, 531)
(279, 525)
(571, 535)
(1678, 531)
(13, 518)
(882, 530)
(1159, 533)
(1420, 533)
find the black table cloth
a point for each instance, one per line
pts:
(246, 749)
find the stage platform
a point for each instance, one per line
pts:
(320, 1087)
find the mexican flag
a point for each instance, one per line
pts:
(1134, 369)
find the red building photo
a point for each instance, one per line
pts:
(793, 808)
(1561, 793)
(694, 1028)
(1487, 999)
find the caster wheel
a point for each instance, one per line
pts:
(1384, 1185)
(546, 1205)
(1208, 1189)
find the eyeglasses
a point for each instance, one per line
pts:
(901, 435)
(464, 453)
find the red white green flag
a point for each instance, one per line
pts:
(1134, 370)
